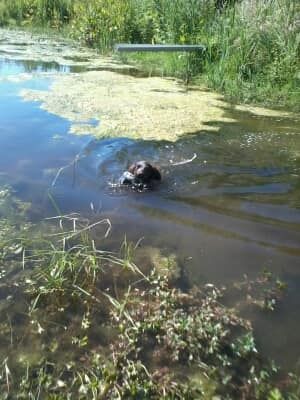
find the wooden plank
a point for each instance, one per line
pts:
(159, 47)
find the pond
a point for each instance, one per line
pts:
(233, 210)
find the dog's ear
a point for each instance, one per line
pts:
(156, 174)
(132, 168)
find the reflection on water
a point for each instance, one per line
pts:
(12, 67)
(234, 210)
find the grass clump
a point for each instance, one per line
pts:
(13, 226)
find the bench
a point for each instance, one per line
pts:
(159, 47)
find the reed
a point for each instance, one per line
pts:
(253, 52)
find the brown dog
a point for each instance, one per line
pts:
(140, 175)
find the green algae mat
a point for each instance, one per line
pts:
(103, 89)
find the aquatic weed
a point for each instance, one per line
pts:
(94, 325)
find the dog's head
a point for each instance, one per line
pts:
(144, 172)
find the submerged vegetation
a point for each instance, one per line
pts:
(80, 322)
(252, 47)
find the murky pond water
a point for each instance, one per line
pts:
(233, 210)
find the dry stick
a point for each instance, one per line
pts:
(7, 374)
(66, 216)
(93, 207)
(92, 226)
(74, 172)
(72, 163)
(76, 217)
(184, 161)
(59, 172)
(11, 330)
(87, 293)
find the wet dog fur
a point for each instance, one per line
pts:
(140, 175)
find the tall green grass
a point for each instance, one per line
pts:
(253, 46)
(52, 13)
(253, 52)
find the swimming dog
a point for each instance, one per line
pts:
(140, 175)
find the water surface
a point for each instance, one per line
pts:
(234, 210)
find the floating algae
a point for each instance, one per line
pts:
(143, 108)
(146, 108)
(31, 48)
(264, 112)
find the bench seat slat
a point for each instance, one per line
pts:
(158, 47)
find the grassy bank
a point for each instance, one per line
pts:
(252, 52)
